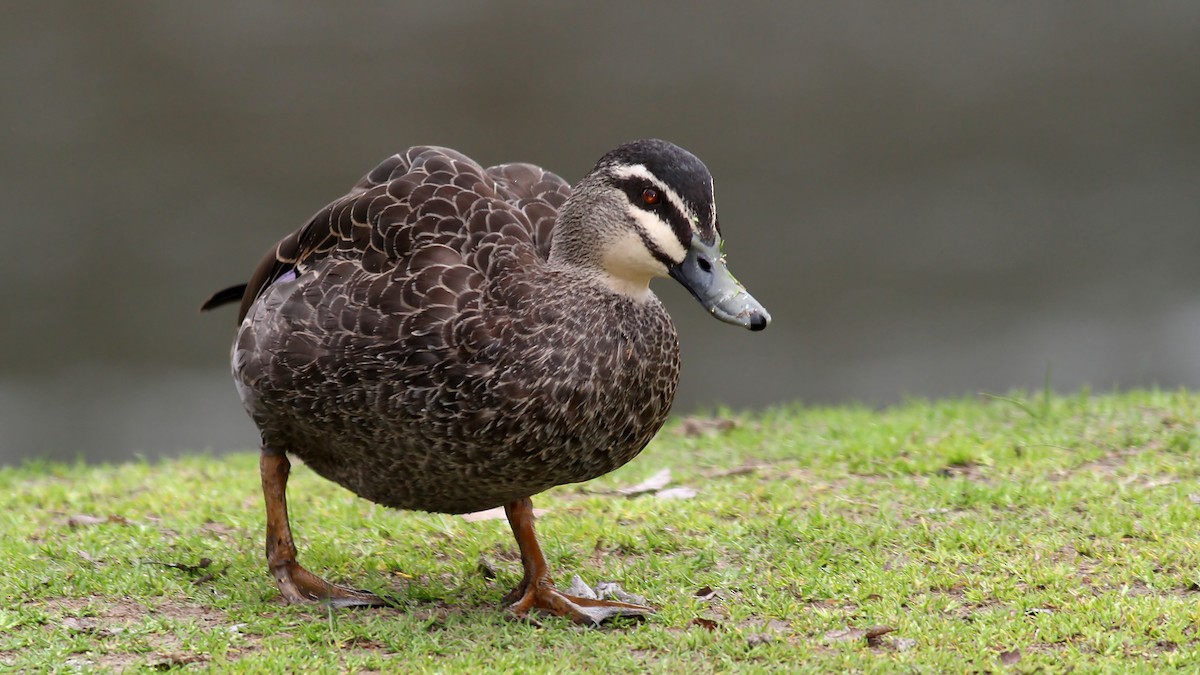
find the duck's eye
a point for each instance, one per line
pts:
(650, 196)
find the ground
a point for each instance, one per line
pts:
(1015, 533)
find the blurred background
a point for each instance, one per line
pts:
(933, 199)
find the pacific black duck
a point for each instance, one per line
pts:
(451, 338)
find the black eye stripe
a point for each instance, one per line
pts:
(633, 188)
(665, 208)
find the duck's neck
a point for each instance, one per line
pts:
(592, 237)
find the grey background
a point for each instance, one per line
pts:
(933, 199)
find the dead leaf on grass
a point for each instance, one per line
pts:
(85, 520)
(701, 426)
(213, 527)
(88, 557)
(1149, 483)
(706, 594)
(604, 590)
(681, 492)
(1011, 656)
(970, 470)
(707, 624)
(496, 514)
(654, 483)
(873, 635)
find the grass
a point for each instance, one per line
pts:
(1001, 534)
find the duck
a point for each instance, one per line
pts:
(450, 339)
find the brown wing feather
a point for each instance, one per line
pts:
(538, 193)
(427, 195)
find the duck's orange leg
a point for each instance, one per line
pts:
(296, 583)
(536, 590)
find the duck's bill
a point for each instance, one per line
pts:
(703, 272)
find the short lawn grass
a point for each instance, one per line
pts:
(1014, 533)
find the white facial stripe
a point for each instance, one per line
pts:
(640, 171)
(712, 190)
(659, 233)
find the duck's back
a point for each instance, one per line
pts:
(412, 343)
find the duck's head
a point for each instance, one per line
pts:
(647, 210)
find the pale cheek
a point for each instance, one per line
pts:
(629, 259)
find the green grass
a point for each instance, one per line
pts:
(1065, 528)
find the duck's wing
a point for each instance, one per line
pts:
(428, 207)
(537, 193)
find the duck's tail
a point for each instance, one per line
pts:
(224, 296)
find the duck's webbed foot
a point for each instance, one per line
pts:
(296, 584)
(544, 597)
(536, 591)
